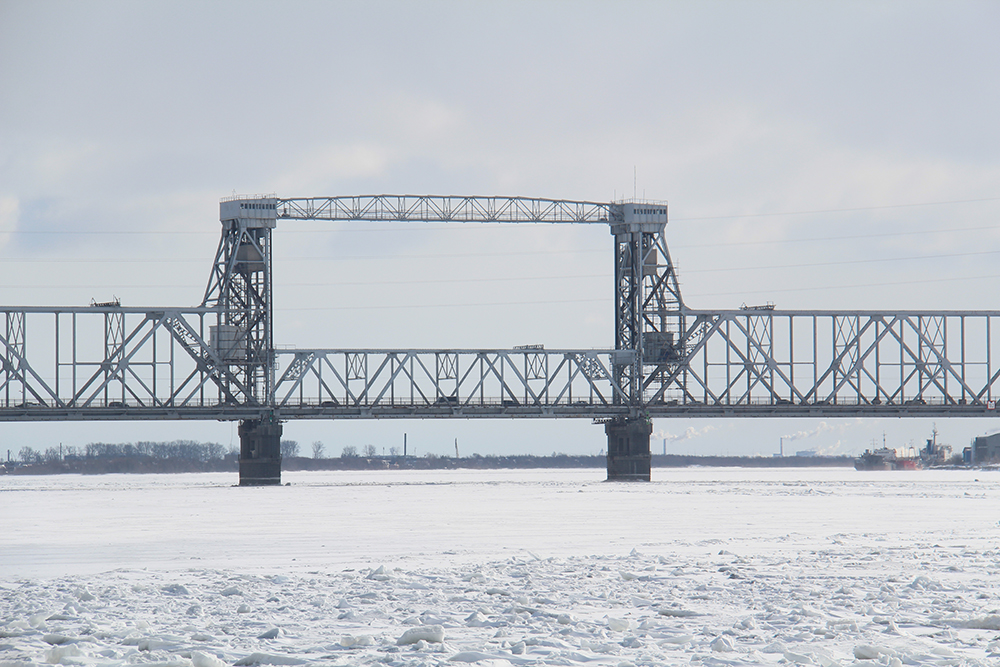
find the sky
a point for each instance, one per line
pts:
(814, 155)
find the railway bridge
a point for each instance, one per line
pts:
(218, 360)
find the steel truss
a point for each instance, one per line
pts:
(450, 383)
(112, 363)
(765, 362)
(425, 208)
(218, 361)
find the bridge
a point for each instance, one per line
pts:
(218, 360)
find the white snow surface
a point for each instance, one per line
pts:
(541, 567)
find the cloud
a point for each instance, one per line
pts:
(317, 171)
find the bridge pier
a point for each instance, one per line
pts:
(260, 452)
(629, 458)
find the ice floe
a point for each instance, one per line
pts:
(869, 597)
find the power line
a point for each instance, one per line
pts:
(305, 258)
(852, 209)
(404, 225)
(450, 305)
(839, 238)
(356, 283)
(842, 287)
(847, 261)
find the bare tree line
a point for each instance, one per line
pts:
(187, 450)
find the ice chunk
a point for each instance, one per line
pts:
(83, 595)
(270, 633)
(379, 575)
(243, 609)
(62, 654)
(471, 656)
(268, 659)
(867, 652)
(991, 622)
(54, 638)
(722, 645)
(231, 590)
(618, 624)
(798, 658)
(427, 633)
(174, 589)
(350, 641)
(677, 613)
(599, 647)
(677, 639)
(200, 659)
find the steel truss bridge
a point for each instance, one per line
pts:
(219, 361)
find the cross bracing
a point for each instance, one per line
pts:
(428, 208)
(113, 363)
(763, 361)
(219, 360)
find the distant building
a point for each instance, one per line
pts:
(807, 452)
(986, 449)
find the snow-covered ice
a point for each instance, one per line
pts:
(547, 567)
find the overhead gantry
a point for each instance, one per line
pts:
(219, 360)
(648, 319)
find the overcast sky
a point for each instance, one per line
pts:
(815, 155)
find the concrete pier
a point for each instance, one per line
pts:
(260, 452)
(629, 458)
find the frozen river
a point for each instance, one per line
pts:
(718, 566)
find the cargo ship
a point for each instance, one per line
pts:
(887, 458)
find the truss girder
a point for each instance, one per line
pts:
(100, 359)
(426, 208)
(432, 381)
(649, 313)
(830, 361)
(62, 364)
(240, 288)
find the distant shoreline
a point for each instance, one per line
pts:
(148, 465)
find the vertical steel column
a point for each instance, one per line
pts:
(240, 289)
(649, 330)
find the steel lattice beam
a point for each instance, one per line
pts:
(427, 208)
(218, 361)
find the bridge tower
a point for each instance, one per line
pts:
(649, 329)
(240, 289)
